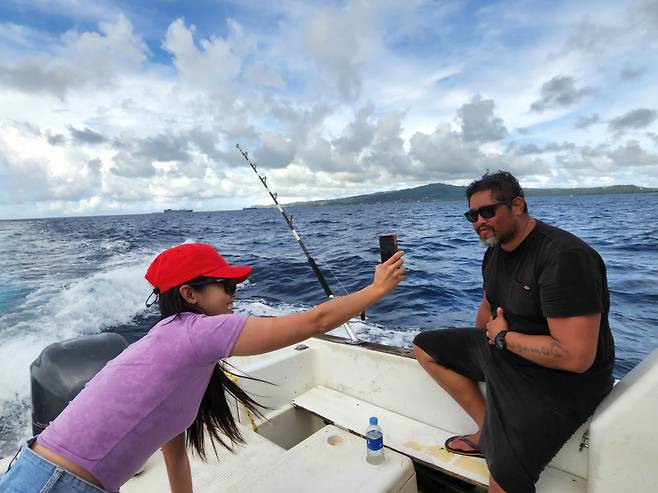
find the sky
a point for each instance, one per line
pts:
(121, 107)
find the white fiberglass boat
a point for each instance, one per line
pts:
(326, 389)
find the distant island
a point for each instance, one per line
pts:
(169, 211)
(441, 191)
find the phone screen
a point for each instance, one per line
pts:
(388, 245)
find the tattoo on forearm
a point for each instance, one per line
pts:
(520, 349)
(555, 350)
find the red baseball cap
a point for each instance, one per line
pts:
(185, 262)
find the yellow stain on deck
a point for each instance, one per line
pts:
(415, 446)
(477, 466)
(439, 453)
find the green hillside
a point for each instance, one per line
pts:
(441, 191)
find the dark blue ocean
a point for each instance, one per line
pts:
(60, 278)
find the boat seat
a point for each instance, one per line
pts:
(329, 460)
(224, 473)
(422, 442)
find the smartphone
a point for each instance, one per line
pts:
(388, 245)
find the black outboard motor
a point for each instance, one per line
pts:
(62, 370)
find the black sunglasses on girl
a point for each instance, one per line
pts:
(486, 211)
(230, 286)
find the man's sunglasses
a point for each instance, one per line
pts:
(230, 286)
(486, 211)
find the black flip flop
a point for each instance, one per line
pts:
(469, 453)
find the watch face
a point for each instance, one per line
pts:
(499, 341)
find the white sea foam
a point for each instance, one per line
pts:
(114, 295)
(364, 330)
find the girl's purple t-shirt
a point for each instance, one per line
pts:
(143, 398)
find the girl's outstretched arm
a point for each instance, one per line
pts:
(263, 334)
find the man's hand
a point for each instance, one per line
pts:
(495, 325)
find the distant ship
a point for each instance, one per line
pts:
(167, 211)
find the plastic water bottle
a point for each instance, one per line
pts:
(374, 442)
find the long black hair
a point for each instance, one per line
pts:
(214, 415)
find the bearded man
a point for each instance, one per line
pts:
(541, 343)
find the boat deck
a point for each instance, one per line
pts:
(321, 394)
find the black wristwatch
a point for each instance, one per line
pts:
(499, 340)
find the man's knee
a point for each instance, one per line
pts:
(494, 487)
(421, 356)
(418, 343)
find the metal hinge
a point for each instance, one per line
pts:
(584, 441)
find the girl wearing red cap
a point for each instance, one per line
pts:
(172, 385)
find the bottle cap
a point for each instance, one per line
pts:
(373, 420)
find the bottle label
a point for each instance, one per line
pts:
(375, 444)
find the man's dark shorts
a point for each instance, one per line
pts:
(526, 423)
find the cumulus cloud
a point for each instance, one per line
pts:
(263, 76)
(478, 121)
(445, 153)
(586, 121)
(214, 62)
(634, 119)
(632, 73)
(590, 37)
(337, 40)
(87, 58)
(164, 148)
(31, 76)
(558, 92)
(86, 136)
(632, 154)
(585, 158)
(529, 149)
(387, 148)
(604, 157)
(34, 177)
(136, 157)
(336, 100)
(367, 146)
(275, 151)
(132, 165)
(358, 134)
(55, 139)
(645, 15)
(299, 121)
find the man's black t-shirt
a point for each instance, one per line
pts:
(531, 410)
(552, 273)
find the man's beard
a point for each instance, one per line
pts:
(495, 239)
(489, 242)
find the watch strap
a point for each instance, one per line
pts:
(499, 340)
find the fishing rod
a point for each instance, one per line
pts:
(311, 262)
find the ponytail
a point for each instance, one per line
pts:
(214, 415)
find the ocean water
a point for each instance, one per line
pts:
(60, 278)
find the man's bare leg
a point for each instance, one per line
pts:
(493, 486)
(464, 390)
